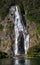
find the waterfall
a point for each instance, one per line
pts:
(20, 30)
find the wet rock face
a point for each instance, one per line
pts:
(21, 49)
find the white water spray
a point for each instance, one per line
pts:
(18, 26)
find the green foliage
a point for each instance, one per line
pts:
(33, 7)
(4, 7)
(3, 55)
(3, 11)
(33, 12)
(1, 27)
(34, 51)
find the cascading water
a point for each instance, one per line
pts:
(20, 30)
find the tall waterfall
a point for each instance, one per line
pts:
(20, 31)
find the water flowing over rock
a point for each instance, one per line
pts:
(21, 43)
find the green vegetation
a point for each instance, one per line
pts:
(38, 27)
(33, 8)
(4, 7)
(34, 51)
(33, 12)
(3, 55)
(1, 27)
(3, 11)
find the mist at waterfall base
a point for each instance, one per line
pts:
(21, 34)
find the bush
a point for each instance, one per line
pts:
(34, 51)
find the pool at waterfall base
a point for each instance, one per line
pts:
(20, 61)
